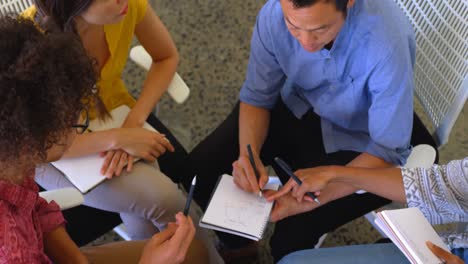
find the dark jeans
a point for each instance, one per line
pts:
(299, 143)
(174, 164)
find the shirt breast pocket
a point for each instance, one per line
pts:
(341, 104)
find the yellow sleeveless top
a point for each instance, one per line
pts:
(119, 36)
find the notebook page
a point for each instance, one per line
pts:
(413, 229)
(390, 234)
(235, 209)
(83, 172)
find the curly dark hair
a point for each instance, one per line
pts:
(45, 80)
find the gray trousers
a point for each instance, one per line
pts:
(145, 198)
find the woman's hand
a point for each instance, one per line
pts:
(313, 180)
(447, 257)
(114, 162)
(141, 142)
(171, 245)
(130, 143)
(287, 205)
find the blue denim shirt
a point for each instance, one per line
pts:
(362, 88)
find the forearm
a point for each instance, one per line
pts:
(157, 81)
(94, 142)
(340, 188)
(385, 182)
(366, 160)
(61, 249)
(336, 190)
(253, 127)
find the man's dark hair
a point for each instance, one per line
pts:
(45, 80)
(340, 4)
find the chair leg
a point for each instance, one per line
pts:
(122, 232)
(371, 216)
(321, 240)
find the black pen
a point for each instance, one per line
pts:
(190, 196)
(252, 162)
(291, 174)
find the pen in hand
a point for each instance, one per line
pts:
(190, 196)
(257, 174)
(291, 174)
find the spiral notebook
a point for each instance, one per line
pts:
(409, 230)
(84, 172)
(235, 211)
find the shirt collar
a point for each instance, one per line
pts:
(345, 32)
(22, 196)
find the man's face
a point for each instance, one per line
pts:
(314, 26)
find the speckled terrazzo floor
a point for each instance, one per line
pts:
(213, 39)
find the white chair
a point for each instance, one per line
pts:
(177, 89)
(14, 6)
(66, 198)
(441, 70)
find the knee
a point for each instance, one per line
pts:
(162, 202)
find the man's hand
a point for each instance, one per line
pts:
(244, 175)
(171, 245)
(444, 255)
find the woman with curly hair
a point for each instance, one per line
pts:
(141, 193)
(43, 96)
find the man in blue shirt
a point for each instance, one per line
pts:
(328, 82)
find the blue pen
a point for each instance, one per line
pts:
(284, 166)
(252, 162)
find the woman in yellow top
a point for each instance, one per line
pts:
(143, 195)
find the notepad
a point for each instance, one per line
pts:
(237, 212)
(84, 172)
(409, 230)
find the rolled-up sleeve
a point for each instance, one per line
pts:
(397, 156)
(441, 192)
(50, 216)
(391, 111)
(264, 75)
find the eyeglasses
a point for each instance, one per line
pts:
(81, 128)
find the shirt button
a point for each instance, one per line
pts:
(333, 87)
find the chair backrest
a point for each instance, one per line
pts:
(14, 6)
(441, 79)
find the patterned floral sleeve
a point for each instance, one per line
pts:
(440, 192)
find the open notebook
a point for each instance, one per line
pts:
(84, 172)
(409, 230)
(235, 211)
